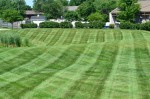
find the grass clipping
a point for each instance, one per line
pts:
(12, 40)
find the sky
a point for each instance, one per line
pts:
(29, 2)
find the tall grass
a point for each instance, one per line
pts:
(12, 40)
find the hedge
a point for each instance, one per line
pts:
(96, 24)
(66, 25)
(128, 25)
(30, 25)
(49, 25)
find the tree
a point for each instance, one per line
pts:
(85, 9)
(11, 16)
(128, 10)
(72, 16)
(51, 8)
(18, 5)
(96, 17)
(76, 2)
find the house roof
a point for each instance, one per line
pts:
(145, 7)
(31, 12)
(72, 8)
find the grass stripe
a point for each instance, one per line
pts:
(31, 81)
(22, 58)
(142, 62)
(37, 64)
(117, 35)
(77, 37)
(48, 31)
(100, 36)
(84, 37)
(61, 81)
(109, 36)
(56, 37)
(62, 38)
(98, 74)
(70, 37)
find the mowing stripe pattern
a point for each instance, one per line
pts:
(77, 64)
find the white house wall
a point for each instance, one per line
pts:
(111, 19)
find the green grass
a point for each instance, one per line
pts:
(77, 64)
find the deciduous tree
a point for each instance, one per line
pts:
(128, 10)
(11, 16)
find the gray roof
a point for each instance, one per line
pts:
(145, 7)
(72, 8)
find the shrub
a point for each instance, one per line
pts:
(86, 25)
(49, 25)
(96, 24)
(30, 25)
(79, 25)
(133, 26)
(11, 40)
(111, 26)
(66, 25)
(145, 26)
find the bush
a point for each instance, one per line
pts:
(79, 25)
(128, 25)
(145, 26)
(49, 25)
(12, 40)
(111, 26)
(30, 25)
(66, 25)
(96, 24)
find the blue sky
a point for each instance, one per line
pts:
(29, 2)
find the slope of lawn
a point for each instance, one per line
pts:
(77, 64)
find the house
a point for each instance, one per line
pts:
(37, 19)
(143, 16)
(29, 13)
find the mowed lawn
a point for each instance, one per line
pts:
(77, 64)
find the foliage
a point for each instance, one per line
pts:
(18, 5)
(105, 6)
(49, 25)
(52, 9)
(29, 25)
(111, 26)
(96, 24)
(96, 17)
(145, 26)
(85, 9)
(72, 16)
(127, 25)
(11, 16)
(66, 25)
(12, 40)
(134, 26)
(128, 10)
(76, 2)
(81, 25)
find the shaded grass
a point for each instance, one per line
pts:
(100, 36)
(70, 37)
(99, 72)
(31, 81)
(142, 57)
(56, 37)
